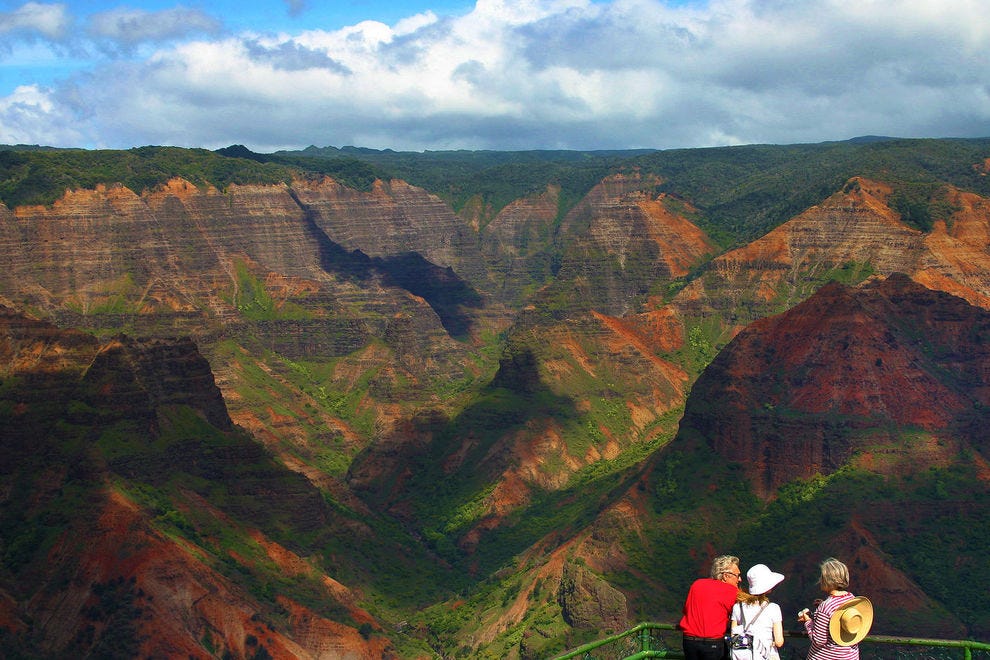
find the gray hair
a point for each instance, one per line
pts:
(835, 575)
(722, 564)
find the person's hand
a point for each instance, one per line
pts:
(804, 615)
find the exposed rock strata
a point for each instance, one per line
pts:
(393, 219)
(254, 264)
(516, 243)
(851, 235)
(591, 603)
(800, 393)
(621, 239)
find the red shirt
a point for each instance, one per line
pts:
(706, 610)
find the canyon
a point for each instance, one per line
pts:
(312, 418)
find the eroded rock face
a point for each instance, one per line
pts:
(956, 258)
(89, 568)
(589, 602)
(130, 376)
(261, 266)
(622, 238)
(393, 219)
(793, 394)
(32, 346)
(852, 235)
(154, 373)
(171, 251)
(515, 242)
(182, 251)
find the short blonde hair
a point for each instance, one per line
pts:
(722, 564)
(835, 575)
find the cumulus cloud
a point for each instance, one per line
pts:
(30, 115)
(520, 74)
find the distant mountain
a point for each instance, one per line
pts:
(484, 404)
(870, 139)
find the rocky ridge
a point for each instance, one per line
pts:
(850, 236)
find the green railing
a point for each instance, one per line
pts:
(663, 640)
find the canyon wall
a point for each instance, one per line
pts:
(377, 391)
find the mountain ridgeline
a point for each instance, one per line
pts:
(377, 404)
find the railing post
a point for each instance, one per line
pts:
(644, 636)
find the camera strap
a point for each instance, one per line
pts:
(742, 616)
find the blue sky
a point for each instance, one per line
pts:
(490, 74)
(32, 62)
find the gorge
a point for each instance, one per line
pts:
(330, 402)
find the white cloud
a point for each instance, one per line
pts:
(518, 74)
(129, 27)
(47, 20)
(30, 115)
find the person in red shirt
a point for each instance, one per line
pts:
(706, 610)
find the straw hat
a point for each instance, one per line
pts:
(850, 623)
(762, 579)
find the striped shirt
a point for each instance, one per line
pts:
(822, 646)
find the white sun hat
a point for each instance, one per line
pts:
(762, 579)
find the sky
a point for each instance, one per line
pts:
(490, 74)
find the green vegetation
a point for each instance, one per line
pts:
(740, 192)
(744, 192)
(253, 301)
(493, 178)
(199, 458)
(922, 203)
(304, 390)
(41, 177)
(347, 170)
(953, 534)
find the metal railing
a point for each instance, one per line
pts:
(663, 640)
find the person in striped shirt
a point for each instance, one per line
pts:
(841, 620)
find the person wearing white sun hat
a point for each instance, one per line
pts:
(757, 628)
(841, 621)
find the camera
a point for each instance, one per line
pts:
(742, 641)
